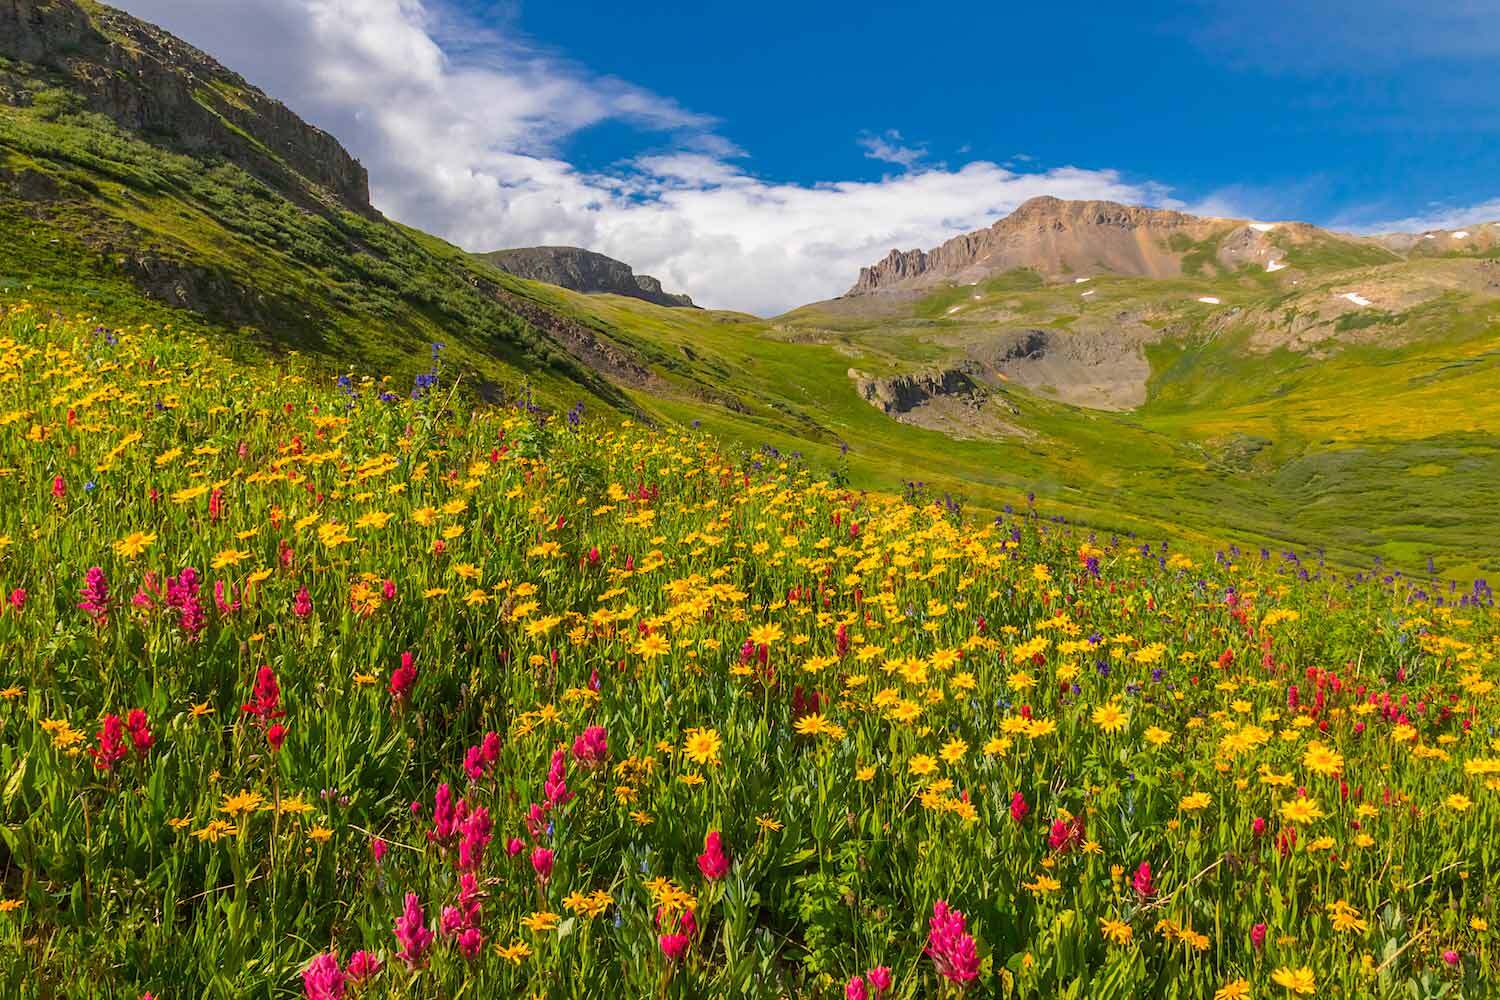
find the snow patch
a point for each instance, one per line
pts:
(1275, 265)
(1212, 300)
(1086, 294)
(1079, 281)
(1462, 234)
(1262, 227)
(1356, 298)
(954, 310)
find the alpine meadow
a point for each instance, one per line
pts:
(1092, 605)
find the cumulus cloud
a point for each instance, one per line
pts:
(462, 127)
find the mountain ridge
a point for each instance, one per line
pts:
(1060, 238)
(147, 80)
(585, 271)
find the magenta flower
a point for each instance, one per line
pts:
(880, 979)
(855, 989)
(444, 817)
(541, 862)
(950, 945)
(412, 933)
(403, 679)
(1142, 881)
(266, 698)
(140, 732)
(225, 599)
(1018, 807)
(556, 785)
(322, 979)
(476, 837)
(182, 594)
(713, 862)
(674, 946)
(470, 943)
(95, 596)
(479, 759)
(363, 965)
(591, 747)
(112, 748)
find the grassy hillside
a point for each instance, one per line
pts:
(1274, 446)
(310, 695)
(94, 216)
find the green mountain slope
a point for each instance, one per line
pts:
(139, 176)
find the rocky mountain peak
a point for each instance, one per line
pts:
(583, 271)
(1053, 236)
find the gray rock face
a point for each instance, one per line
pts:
(583, 271)
(959, 402)
(904, 393)
(148, 81)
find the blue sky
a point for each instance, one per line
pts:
(1351, 113)
(756, 155)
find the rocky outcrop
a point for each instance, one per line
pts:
(582, 343)
(151, 82)
(1101, 369)
(1053, 237)
(897, 267)
(583, 271)
(904, 393)
(956, 401)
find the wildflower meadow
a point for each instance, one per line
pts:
(344, 688)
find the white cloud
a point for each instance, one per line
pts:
(1297, 36)
(888, 147)
(1437, 217)
(461, 127)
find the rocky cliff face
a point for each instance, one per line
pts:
(151, 82)
(959, 402)
(903, 393)
(583, 271)
(1053, 237)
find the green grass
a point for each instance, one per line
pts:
(607, 648)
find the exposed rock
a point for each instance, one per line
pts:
(149, 81)
(1478, 238)
(1053, 237)
(28, 185)
(904, 393)
(583, 271)
(1059, 238)
(1102, 369)
(581, 342)
(950, 400)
